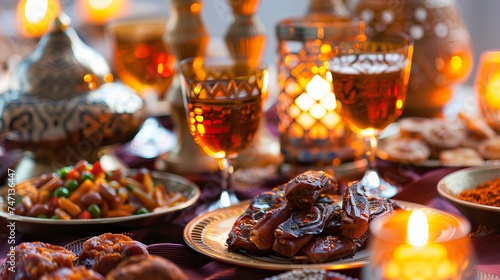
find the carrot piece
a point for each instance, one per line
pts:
(52, 184)
(143, 198)
(69, 206)
(148, 183)
(127, 207)
(62, 214)
(84, 187)
(117, 213)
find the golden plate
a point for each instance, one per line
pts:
(171, 182)
(208, 232)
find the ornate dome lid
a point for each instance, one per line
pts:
(62, 103)
(61, 66)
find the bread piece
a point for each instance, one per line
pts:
(461, 157)
(146, 267)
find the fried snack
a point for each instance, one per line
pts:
(461, 157)
(34, 259)
(77, 273)
(486, 193)
(445, 134)
(490, 148)
(478, 125)
(407, 150)
(414, 127)
(146, 267)
(102, 253)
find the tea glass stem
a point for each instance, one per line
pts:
(227, 197)
(372, 181)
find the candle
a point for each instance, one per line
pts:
(99, 12)
(34, 16)
(487, 87)
(422, 244)
(419, 259)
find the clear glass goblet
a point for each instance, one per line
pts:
(370, 79)
(223, 98)
(142, 60)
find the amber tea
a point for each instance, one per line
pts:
(224, 128)
(143, 61)
(370, 100)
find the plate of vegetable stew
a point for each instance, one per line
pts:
(85, 195)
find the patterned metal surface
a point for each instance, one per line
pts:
(62, 103)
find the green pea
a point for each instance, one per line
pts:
(71, 185)
(19, 199)
(94, 210)
(43, 216)
(63, 172)
(61, 192)
(142, 210)
(55, 217)
(87, 176)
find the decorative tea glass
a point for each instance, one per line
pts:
(223, 98)
(370, 79)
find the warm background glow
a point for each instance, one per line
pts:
(33, 17)
(99, 12)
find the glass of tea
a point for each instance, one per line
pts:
(223, 99)
(142, 60)
(370, 79)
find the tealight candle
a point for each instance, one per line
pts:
(426, 244)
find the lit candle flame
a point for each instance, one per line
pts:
(34, 16)
(418, 229)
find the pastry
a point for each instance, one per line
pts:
(102, 253)
(461, 156)
(34, 259)
(77, 273)
(414, 127)
(146, 267)
(490, 148)
(406, 150)
(444, 134)
(477, 125)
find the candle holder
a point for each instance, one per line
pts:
(311, 131)
(423, 244)
(487, 87)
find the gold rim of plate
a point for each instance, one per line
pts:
(208, 232)
(175, 183)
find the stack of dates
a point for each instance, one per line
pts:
(300, 220)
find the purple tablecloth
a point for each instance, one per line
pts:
(416, 185)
